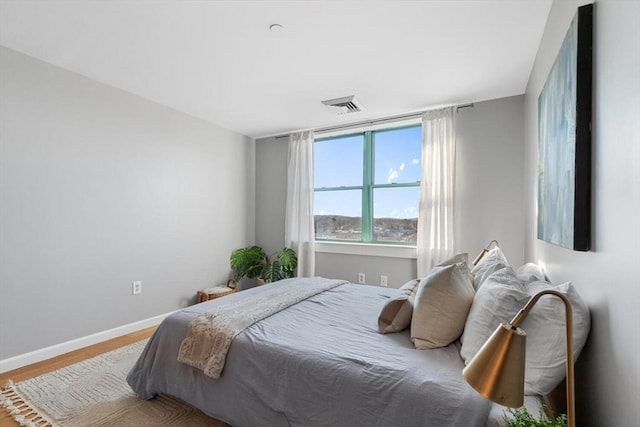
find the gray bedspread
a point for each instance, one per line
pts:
(320, 362)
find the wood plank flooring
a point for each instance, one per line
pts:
(67, 359)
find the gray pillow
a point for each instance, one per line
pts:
(530, 272)
(545, 328)
(501, 296)
(396, 313)
(493, 261)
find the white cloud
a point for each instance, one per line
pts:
(415, 161)
(402, 166)
(392, 175)
(411, 212)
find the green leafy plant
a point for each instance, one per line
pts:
(522, 418)
(252, 262)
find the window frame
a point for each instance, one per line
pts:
(368, 186)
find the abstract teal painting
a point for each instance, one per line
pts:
(564, 140)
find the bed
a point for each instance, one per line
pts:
(323, 361)
(320, 362)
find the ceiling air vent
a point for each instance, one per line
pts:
(345, 105)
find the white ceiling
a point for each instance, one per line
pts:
(217, 60)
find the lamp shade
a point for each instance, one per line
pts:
(497, 370)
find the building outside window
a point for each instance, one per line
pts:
(367, 186)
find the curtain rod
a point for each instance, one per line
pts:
(373, 122)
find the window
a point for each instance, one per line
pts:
(367, 186)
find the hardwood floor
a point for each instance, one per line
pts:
(67, 359)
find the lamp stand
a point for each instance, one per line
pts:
(484, 251)
(568, 342)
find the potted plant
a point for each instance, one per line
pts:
(522, 418)
(253, 262)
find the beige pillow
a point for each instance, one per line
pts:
(441, 304)
(396, 313)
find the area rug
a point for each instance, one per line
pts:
(95, 393)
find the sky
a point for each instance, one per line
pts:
(339, 162)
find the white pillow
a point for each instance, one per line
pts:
(501, 296)
(396, 313)
(442, 303)
(545, 328)
(492, 261)
(530, 272)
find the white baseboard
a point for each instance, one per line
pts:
(65, 347)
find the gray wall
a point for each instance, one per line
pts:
(489, 199)
(489, 181)
(99, 188)
(347, 267)
(271, 192)
(608, 371)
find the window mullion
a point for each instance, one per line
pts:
(367, 190)
(343, 187)
(397, 185)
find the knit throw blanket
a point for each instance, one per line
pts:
(210, 334)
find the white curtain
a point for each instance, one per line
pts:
(299, 230)
(435, 219)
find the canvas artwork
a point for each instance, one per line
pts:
(564, 140)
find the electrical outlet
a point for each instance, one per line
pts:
(384, 280)
(361, 278)
(136, 288)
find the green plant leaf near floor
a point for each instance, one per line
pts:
(248, 262)
(522, 418)
(252, 262)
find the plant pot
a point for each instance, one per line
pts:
(260, 281)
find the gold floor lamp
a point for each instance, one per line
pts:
(497, 370)
(484, 251)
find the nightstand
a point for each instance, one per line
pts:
(214, 292)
